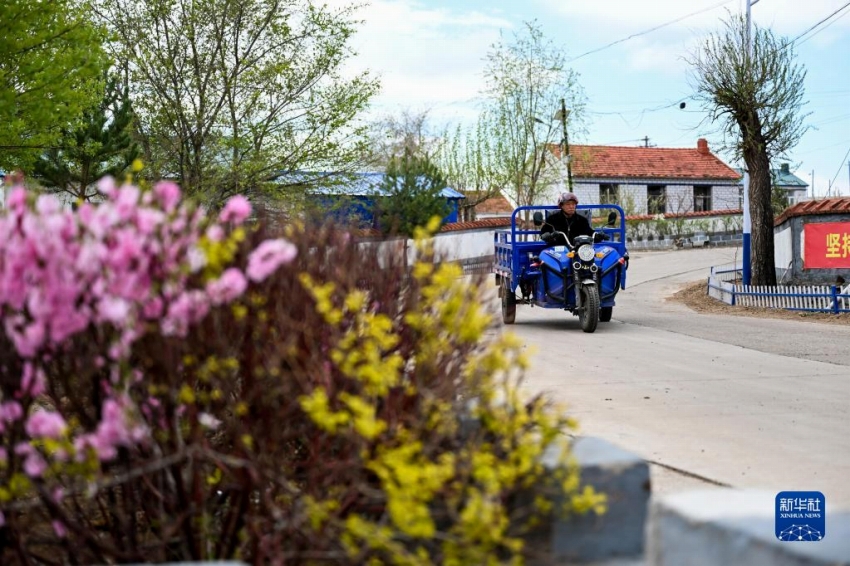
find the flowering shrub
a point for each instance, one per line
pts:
(180, 387)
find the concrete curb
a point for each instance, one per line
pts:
(704, 528)
(617, 534)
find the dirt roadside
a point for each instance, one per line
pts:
(694, 296)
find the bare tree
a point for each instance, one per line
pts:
(232, 93)
(757, 96)
(396, 135)
(526, 80)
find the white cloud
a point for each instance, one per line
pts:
(424, 56)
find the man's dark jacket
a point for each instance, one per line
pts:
(572, 226)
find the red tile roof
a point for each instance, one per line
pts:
(839, 205)
(495, 205)
(603, 161)
(477, 224)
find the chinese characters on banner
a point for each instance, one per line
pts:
(827, 245)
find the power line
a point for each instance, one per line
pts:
(818, 24)
(840, 167)
(656, 28)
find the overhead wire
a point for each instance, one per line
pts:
(820, 23)
(840, 167)
(656, 28)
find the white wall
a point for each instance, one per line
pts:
(783, 247)
(451, 246)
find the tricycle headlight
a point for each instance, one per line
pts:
(586, 253)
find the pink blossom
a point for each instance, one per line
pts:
(32, 380)
(187, 309)
(113, 309)
(106, 186)
(215, 233)
(268, 256)
(10, 411)
(168, 194)
(29, 339)
(59, 529)
(197, 259)
(34, 464)
(125, 201)
(112, 432)
(17, 198)
(208, 421)
(236, 210)
(152, 309)
(46, 424)
(47, 204)
(230, 285)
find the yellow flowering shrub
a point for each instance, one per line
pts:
(346, 410)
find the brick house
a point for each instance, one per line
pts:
(649, 180)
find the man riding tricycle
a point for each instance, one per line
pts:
(563, 262)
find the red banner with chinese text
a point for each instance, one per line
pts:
(827, 245)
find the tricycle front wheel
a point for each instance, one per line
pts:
(589, 315)
(508, 302)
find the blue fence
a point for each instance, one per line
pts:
(723, 286)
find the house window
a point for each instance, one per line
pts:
(656, 199)
(609, 193)
(702, 199)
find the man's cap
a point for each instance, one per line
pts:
(567, 197)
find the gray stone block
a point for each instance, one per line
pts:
(722, 527)
(619, 533)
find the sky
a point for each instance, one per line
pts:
(429, 56)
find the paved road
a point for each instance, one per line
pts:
(708, 399)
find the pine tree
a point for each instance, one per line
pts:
(100, 145)
(413, 188)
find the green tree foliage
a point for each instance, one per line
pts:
(413, 187)
(230, 93)
(471, 160)
(757, 98)
(49, 74)
(526, 78)
(100, 145)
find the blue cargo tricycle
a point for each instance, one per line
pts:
(582, 276)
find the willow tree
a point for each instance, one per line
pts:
(527, 76)
(756, 96)
(471, 158)
(231, 93)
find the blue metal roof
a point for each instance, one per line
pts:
(350, 184)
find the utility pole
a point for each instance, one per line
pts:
(645, 141)
(746, 243)
(562, 114)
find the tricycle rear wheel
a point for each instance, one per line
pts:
(508, 302)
